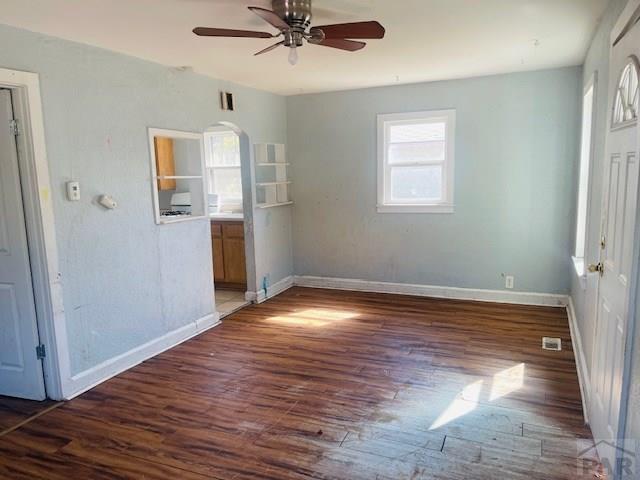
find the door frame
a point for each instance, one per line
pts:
(634, 282)
(40, 225)
(248, 202)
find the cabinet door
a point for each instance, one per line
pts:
(218, 253)
(165, 163)
(235, 268)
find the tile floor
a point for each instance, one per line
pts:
(228, 301)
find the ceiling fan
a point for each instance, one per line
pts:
(293, 19)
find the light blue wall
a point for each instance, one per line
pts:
(516, 161)
(126, 280)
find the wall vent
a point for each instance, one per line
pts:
(554, 344)
(226, 101)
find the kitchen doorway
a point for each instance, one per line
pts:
(230, 204)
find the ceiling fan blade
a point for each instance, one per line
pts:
(268, 49)
(340, 43)
(225, 32)
(270, 17)
(352, 30)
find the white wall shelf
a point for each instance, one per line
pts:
(272, 205)
(272, 185)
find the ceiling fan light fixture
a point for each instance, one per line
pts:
(293, 20)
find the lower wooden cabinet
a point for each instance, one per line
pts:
(229, 264)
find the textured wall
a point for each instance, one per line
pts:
(516, 159)
(126, 280)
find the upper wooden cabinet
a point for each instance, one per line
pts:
(165, 163)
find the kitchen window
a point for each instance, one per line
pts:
(224, 178)
(415, 162)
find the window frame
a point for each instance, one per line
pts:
(633, 63)
(585, 179)
(210, 171)
(385, 121)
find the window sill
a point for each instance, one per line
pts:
(436, 208)
(581, 273)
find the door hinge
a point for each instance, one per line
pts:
(40, 352)
(13, 128)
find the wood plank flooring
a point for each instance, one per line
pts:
(329, 385)
(13, 411)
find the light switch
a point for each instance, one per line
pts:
(73, 191)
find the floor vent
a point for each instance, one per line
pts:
(549, 343)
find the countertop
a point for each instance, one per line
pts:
(227, 217)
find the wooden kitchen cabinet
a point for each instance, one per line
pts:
(229, 264)
(165, 163)
(218, 259)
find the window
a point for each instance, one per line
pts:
(585, 164)
(223, 166)
(625, 108)
(415, 162)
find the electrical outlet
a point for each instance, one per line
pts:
(508, 281)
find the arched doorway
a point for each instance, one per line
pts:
(230, 200)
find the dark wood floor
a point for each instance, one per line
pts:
(14, 411)
(329, 385)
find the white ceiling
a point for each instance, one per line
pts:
(426, 39)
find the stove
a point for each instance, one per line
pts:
(180, 206)
(174, 213)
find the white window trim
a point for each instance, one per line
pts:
(444, 206)
(579, 263)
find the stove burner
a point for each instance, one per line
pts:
(174, 213)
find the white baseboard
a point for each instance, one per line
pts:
(581, 361)
(88, 379)
(275, 289)
(498, 296)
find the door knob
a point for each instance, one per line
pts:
(599, 267)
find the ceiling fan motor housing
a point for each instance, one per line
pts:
(297, 13)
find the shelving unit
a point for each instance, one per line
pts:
(272, 176)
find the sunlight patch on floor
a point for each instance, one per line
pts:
(507, 381)
(503, 383)
(313, 317)
(464, 403)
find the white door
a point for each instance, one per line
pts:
(20, 369)
(617, 255)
